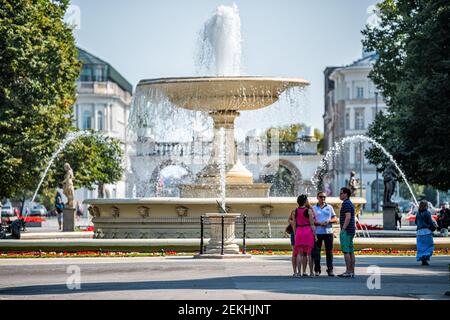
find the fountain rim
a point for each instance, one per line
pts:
(209, 79)
(195, 201)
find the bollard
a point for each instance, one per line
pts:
(202, 220)
(223, 228)
(244, 249)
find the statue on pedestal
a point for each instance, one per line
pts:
(68, 189)
(353, 184)
(389, 177)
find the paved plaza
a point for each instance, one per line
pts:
(180, 278)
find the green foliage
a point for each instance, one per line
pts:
(38, 72)
(94, 160)
(319, 137)
(413, 74)
(289, 133)
(417, 189)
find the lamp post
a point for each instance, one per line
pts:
(360, 169)
(376, 168)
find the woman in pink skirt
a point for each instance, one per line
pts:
(304, 235)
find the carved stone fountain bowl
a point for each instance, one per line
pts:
(222, 93)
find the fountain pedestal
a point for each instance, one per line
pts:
(230, 247)
(69, 219)
(389, 216)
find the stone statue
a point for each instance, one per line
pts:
(353, 184)
(68, 189)
(389, 177)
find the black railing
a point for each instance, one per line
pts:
(204, 221)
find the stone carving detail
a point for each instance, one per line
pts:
(144, 212)
(127, 235)
(94, 211)
(182, 211)
(68, 188)
(143, 235)
(160, 235)
(181, 235)
(115, 212)
(353, 184)
(266, 210)
(390, 177)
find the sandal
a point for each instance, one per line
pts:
(346, 275)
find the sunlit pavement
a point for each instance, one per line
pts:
(261, 277)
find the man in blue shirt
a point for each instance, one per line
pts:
(348, 229)
(325, 217)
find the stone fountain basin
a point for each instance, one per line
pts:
(140, 218)
(222, 93)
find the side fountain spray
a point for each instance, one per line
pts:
(338, 147)
(71, 136)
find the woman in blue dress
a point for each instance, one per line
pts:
(424, 237)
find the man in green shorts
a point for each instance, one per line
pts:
(348, 229)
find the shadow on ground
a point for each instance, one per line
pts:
(391, 285)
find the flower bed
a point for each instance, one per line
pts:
(162, 253)
(361, 226)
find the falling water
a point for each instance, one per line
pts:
(220, 43)
(71, 136)
(222, 165)
(337, 148)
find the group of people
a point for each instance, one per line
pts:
(444, 217)
(312, 226)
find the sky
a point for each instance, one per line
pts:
(146, 39)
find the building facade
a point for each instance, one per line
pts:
(351, 103)
(103, 104)
(158, 167)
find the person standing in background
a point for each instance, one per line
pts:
(348, 229)
(324, 218)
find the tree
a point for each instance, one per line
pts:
(412, 72)
(95, 160)
(38, 72)
(289, 134)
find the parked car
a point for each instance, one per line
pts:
(7, 210)
(405, 206)
(38, 210)
(413, 210)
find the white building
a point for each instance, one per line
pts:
(351, 103)
(103, 104)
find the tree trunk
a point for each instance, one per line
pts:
(101, 190)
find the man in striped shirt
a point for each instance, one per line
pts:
(348, 229)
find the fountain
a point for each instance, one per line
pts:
(71, 136)
(223, 179)
(388, 207)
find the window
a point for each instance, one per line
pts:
(100, 121)
(348, 93)
(87, 120)
(99, 74)
(86, 74)
(359, 92)
(347, 120)
(359, 119)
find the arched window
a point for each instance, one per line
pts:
(87, 120)
(283, 183)
(100, 121)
